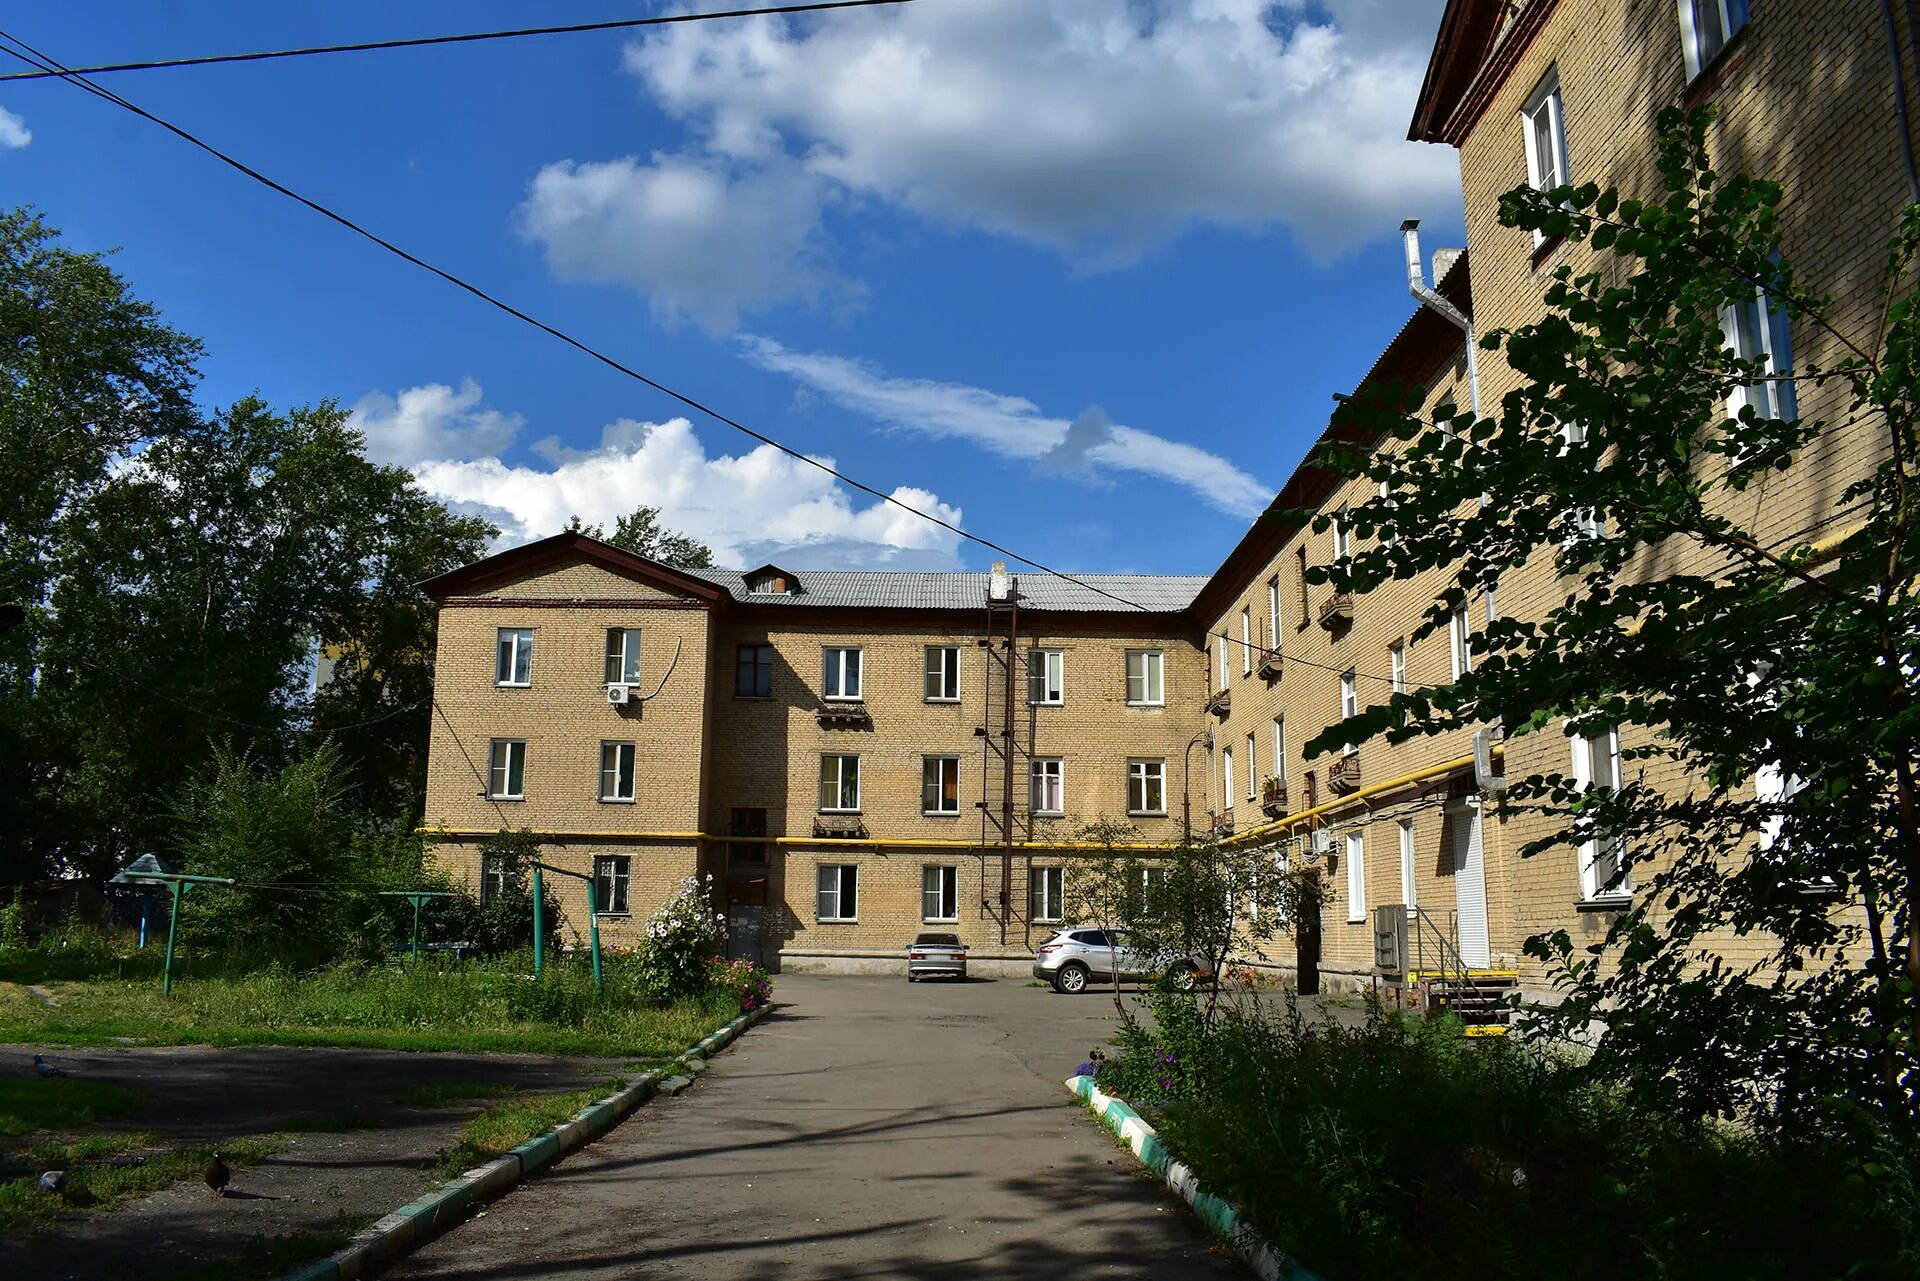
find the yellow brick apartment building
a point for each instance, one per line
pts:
(848, 754)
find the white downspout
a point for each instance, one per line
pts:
(1417, 285)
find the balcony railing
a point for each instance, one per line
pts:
(1337, 611)
(844, 716)
(1269, 665)
(1273, 798)
(850, 827)
(1220, 702)
(1343, 775)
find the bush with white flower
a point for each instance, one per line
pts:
(681, 936)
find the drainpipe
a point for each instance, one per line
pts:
(1417, 285)
(1186, 781)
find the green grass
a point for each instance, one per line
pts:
(102, 1170)
(29, 1103)
(441, 1094)
(507, 1125)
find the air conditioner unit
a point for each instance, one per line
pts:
(617, 695)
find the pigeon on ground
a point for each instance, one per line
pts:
(217, 1175)
(54, 1181)
(45, 1068)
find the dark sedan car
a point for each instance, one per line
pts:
(936, 955)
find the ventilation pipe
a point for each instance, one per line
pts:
(1417, 285)
(999, 584)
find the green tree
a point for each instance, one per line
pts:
(1776, 679)
(644, 535)
(1102, 886)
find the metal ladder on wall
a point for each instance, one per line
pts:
(1004, 820)
(1477, 996)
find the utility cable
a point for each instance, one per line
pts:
(469, 37)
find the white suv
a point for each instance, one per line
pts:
(1079, 954)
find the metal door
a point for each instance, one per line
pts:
(743, 932)
(1470, 885)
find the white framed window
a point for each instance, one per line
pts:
(1273, 612)
(1705, 28)
(943, 673)
(1152, 878)
(1246, 640)
(839, 783)
(940, 785)
(616, 772)
(1044, 898)
(1349, 699)
(1280, 748)
(1397, 665)
(513, 656)
(1582, 522)
(623, 656)
(1146, 678)
(1596, 766)
(1356, 876)
(1224, 645)
(1342, 536)
(836, 892)
(940, 893)
(612, 874)
(1544, 118)
(1755, 331)
(1147, 787)
(1226, 782)
(1253, 769)
(1387, 506)
(507, 769)
(1460, 640)
(1408, 893)
(493, 877)
(842, 675)
(1046, 677)
(1046, 792)
(1772, 785)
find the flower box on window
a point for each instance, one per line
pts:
(1269, 665)
(844, 716)
(1223, 825)
(1337, 612)
(849, 827)
(1343, 775)
(1220, 702)
(1273, 797)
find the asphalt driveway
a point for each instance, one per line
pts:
(867, 1128)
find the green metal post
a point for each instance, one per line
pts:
(593, 928)
(417, 901)
(173, 920)
(539, 923)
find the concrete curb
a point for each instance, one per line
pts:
(1268, 1263)
(418, 1222)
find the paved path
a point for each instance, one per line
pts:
(868, 1128)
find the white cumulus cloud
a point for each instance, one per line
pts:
(1090, 446)
(432, 421)
(13, 131)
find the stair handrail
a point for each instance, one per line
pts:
(1423, 917)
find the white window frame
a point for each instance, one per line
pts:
(1584, 747)
(1349, 700)
(1273, 612)
(493, 877)
(839, 777)
(1253, 768)
(1409, 872)
(500, 768)
(1342, 536)
(1460, 640)
(1045, 886)
(623, 661)
(940, 890)
(1142, 774)
(1387, 508)
(835, 669)
(611, 773)
(1246, 640)
(846, 885)
(943, 674)
(1046, 677)
(1582, 522)
(615, 873)
(1765, 336)
(1152, 678)
(1546, 172)
(1041, 771)
(1225, 644)
(946, 764)
(513, 657)
(1280, 747)
(1732, 17)
(1397, 665)
(1226, 782)
(1356, 855)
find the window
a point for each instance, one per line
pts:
(940, 785)
(611, 873)
(1300, 565)
(1253, 772)
(753, 677)
(1047, 792)
(1224, 643)
(836, 892)
(747, 822)
(616, 771)
(1226, 782)
(1596, 765)
(842, 674)
(1280, 748)
(1756, 332)
(1342, 539)
(1046, 677)
(1152, 878)
(1356, 876)
(493, 877)
(940, 893)
(1349, 700)
(1407, 895)
(1582, 522)
(507, 770)
(623, 655)
(1546, 126)
(839, 784)
(1386, 512)
(1397, 665)
(1460, 640)
(1043, 893)
(514, 662)
(1705, 28)
(1246, 640)
(1273, 612)
(1146, 787)
(943, 674)
(1146, 678)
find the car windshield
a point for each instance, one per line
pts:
(937, 940)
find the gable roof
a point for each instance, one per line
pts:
(1476, 47)
(570, 546)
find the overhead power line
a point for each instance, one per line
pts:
(467, 37)
(34, 57)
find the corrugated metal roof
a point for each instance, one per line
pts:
(866, 589)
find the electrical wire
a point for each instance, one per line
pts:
(469, 37)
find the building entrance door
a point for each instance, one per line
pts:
(1469, 885)
(744, 940)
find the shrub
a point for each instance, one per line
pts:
(681, 937)
(746, 982)
(503, 921)
(13, 924)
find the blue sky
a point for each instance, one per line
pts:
(1081, 275)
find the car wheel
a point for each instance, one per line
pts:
(1070, 978)
(909, 976)
(1185, 979)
